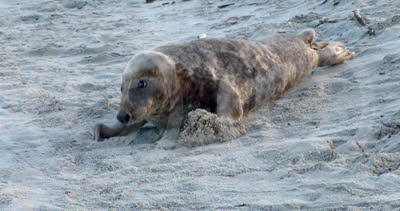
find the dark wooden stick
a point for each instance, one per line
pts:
(337, 2)
(225, 5)
(359, 18)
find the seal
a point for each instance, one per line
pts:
(226, 77)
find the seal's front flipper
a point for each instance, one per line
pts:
(229, 104)
(102, 131)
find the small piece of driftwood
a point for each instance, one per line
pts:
(359, 18)
(336, 3)
(326, 20)
(225, 5)
(364, 22)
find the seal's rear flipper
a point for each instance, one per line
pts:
(334, 53)
(308, 36)
(318, 45)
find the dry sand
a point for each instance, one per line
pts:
(331, 143)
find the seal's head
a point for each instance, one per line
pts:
(148, 84)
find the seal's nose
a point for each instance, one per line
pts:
(123, 117)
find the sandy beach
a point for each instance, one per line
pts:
(331, 143)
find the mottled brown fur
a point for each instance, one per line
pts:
(224, 76)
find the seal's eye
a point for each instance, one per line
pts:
(142, 84)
